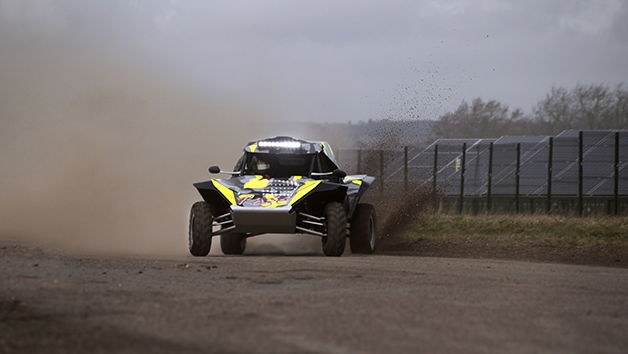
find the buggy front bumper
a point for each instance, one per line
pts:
(256, 220)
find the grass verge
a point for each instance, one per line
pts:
(552, 230)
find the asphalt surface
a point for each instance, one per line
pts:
(54, 300)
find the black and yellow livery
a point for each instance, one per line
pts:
(284, 185)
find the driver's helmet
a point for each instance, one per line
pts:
(260, 166)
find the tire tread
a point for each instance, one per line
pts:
(200, 232)
(334, 242)
(360, 235)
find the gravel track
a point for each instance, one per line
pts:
(54, 300)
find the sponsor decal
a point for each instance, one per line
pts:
(267, 201)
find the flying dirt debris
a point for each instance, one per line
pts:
(284, 185)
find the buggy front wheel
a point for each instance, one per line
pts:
(336, 227)
(200, 233)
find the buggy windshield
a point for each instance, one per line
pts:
(277, 165)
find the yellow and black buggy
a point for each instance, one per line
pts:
(284, 185)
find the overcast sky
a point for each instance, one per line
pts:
(350, 60)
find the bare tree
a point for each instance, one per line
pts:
(478, 120)
(619, 118)
(593, 106)
(555, 113)
(584, 107)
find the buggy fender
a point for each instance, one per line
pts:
(356, 187)
(215, 193)
(335, 191)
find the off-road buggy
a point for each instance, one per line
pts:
(284, 185)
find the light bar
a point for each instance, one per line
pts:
(280, 144)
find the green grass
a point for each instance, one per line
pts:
(554, 230)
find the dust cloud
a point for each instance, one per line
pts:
(100, 144)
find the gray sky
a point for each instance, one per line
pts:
(348, 60)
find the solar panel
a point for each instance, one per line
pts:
(598, 165)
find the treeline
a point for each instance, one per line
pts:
(581, 108)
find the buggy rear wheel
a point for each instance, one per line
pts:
(200, 233)
(363, 230)
(336, 223)
(232, 243)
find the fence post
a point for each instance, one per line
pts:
(550, 160)
(490, 177)
(435, 172)
(405, 168)
(381, 171)
(616, 191)
(517, 174)
(580, 176)
(463, 162)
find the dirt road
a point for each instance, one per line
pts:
(57, 301)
